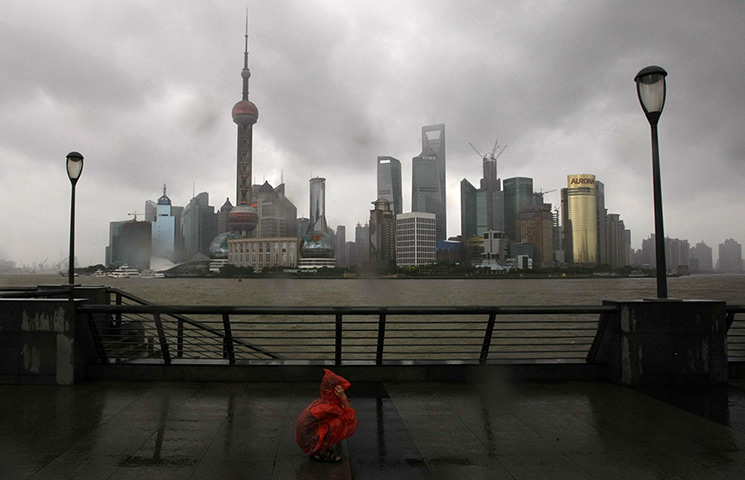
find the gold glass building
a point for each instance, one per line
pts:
(582, 213)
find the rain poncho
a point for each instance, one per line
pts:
(325, 422)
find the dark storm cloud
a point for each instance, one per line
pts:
(144, 90)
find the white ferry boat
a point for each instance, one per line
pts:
(152, 274)
(125, 271)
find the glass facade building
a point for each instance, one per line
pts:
(428, 192)
(317, 199)
(518, 197)
(389, 182)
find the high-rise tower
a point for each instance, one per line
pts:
(243, 217)
(428, 192)
(317, 199)
(389, 182)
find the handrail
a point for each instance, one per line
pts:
(364, 339)
(35, 293)
(119, 309)
(351, 310)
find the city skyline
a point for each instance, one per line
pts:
(142, 92)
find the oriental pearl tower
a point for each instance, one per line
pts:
(244, 217)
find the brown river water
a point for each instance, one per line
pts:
(434, 292)
(513, 340)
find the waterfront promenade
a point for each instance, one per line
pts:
(490, 429)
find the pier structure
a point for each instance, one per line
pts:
(643, 389)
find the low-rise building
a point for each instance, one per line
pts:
(261, 253)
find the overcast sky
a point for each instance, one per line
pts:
(144, 91)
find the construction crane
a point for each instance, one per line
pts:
(481, 155)
(134, 214)
(493, 155)
(541, 192)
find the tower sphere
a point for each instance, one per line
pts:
(245, 113)
(243, 218)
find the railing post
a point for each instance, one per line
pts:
(228, 340)
(337, 343)
(118, 322)
(97, 338)
(730, 319)
(381, 340)
(487, 338)
(162, 338)
(180, 338)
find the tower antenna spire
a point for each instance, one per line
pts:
(246, 73)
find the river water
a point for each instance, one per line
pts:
(434, 292)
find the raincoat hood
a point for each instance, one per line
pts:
(331, 380)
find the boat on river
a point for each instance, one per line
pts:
(125, 271)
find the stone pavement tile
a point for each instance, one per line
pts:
(506, 435)
(623, 467)
(181, 438)
(389, 468)
(295, 464)
(212, 398)
(254, 467)
(263, 400)
(442, 436)
(473, 468)
(82, 471)
(382, 446)
(245, 436)
(538, 467)
(22, 465)
(549, 423)
(417, 398)
(709, 466)
(640, 435)
(54, 437)
(154, 472)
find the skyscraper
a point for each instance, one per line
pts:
(199, 225)
(317, 199)
(482, 209)
(277, 215)
(164, 230)
(362, 243)
(581, 211)
(244, 217)
(518, 197)
(701, 258)
(730, 256)
(601, 223)
(415, 239)
(617, 240)
(389, 182)
(428, 192)
(535, 226)
(382, 233)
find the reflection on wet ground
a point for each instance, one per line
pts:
(490, 429)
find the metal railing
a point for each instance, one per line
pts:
(736, 333)
(343, 335)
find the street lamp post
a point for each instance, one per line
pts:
(650, 87)
(74, 169)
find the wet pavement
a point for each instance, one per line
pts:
(490, 429)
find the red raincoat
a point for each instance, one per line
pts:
(325, 422)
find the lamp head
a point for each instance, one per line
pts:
(650, 87)
(74, 166)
